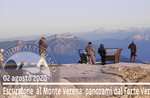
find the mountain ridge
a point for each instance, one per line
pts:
(65, 47)
(113, 33)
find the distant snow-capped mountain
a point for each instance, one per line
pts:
(71, 37)
(112, 33)
(140, 36)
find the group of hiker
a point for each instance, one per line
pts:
(102, 52)
(89, 49)
(91, 53)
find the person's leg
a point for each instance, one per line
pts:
(131, 57)
(45, 63)
(90, 62)
(134, 57)
(44, 60)
(40, 62)
(2, 63)
(103, 61)
(87, 58)
(93, 59)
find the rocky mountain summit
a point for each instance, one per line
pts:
(64, 44)
(111, 73)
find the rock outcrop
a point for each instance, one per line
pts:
(110, 73)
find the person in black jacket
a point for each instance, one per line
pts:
(102, 53)
(132, 46)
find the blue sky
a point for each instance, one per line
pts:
(36, 17)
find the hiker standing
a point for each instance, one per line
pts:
(2, 57)
(102, 53)
(42, 51)
(91, 53)
(132, 47)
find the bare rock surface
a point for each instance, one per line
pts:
(119, 72)
(113, 73)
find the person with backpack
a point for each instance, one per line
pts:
(133, 49)
(91, 53)
(42, 52)
(102, 53)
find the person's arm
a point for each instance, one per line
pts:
(129, 46)
(93, 49)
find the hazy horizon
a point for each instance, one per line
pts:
(37, 17)
(101, 30)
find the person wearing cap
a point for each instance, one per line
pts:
(42, 52)
(91, 53)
